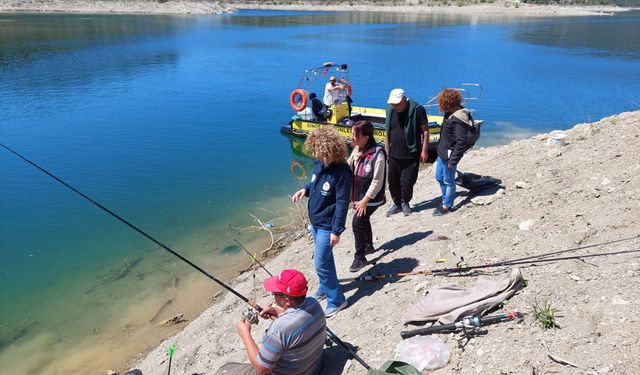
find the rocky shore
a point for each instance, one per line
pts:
(555, 198)
(499, 8)
(114, 6)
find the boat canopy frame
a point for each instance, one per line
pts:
(341, 71)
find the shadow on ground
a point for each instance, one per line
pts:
(335, 357)
(368, 288)
(398, 242)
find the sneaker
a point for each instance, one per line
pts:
(331, 311)
(406, 210)
(319, 296)
(369, 249)
(440, 211)
(358, 264)
(394, 209)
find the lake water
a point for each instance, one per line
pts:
(173, 123)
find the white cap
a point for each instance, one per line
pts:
(396, 96)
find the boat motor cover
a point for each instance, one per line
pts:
(449, 303)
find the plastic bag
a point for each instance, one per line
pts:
(423, 352)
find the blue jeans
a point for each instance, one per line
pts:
(326, 267)
(446, 177)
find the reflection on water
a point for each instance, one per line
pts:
(25, 37)
(32, 44)
(617, 35)
(303, 160)
(267, 18)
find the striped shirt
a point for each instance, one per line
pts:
(293, 343)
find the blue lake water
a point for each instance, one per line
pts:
(173, 123)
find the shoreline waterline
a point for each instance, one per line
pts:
(134, 320)
(504, 8)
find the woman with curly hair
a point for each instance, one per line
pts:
(328, 193)
(451, 146)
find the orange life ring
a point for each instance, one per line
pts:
(303, 99)
(298, 170)
(349, 91)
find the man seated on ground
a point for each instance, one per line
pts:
(316, 107)
(293, 342)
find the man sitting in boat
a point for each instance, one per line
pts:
(316, 107)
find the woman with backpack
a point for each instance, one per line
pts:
(368, 163)
(456, 135)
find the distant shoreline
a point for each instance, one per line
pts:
(179, 7)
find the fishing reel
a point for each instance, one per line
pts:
(250, 315)
(470, 322)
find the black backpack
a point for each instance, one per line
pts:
(473, 134)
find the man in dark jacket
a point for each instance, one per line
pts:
(317, 106)
(406, 143)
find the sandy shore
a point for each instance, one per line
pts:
(555, 198)
(501, 8)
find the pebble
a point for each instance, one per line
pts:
(527, 224)
(555, 152)
(617, 300)
(520, 184)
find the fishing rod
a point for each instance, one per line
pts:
(167, 248)
(468, 322)
(118, 217)
(384, 276)
(248, 253)
(332, 336)
(461, 267)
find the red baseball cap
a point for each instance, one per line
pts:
(289, 282)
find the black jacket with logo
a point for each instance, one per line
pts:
(328, 193)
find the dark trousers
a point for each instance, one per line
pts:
(361, 226)
(403, 174)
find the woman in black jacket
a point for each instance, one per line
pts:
(451, 146)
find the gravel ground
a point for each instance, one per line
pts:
(556, 198)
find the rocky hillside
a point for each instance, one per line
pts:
(570, 205)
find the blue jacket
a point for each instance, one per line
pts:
(328, 193)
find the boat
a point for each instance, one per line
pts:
(342, 115)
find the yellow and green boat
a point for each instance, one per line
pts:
(338, 113)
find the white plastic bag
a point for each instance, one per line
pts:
(423, 352)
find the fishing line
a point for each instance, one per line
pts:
(331, 335)
(248, 253)
(163, 246)
(541, 258)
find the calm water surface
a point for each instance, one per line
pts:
(172, 122)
